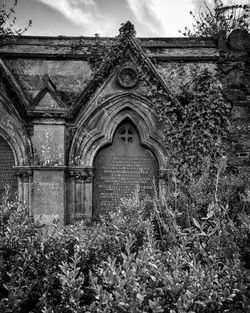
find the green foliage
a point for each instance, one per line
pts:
(197, 125)
(8, 21)
(190, 254)
(188, 262)
(220, 20)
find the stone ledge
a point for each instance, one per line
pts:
(49, 168)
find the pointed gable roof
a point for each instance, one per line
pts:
(125, 48)
(47, 102)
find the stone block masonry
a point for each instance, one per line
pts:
(79, 138)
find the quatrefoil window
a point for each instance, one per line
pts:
(126, 134)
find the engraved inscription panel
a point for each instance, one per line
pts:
(119, 168)
(7, 162)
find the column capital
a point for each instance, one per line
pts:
(23, 172)
(80, 172)
(163, 174)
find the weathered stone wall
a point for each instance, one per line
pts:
(56, 120)
(234, 73)
(69, 76)
(179, 75)
(48, 143)
(49, 194)
(7, 175)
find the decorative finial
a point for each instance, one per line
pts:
(127, 29)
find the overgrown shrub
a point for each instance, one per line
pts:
(189, 254)
(190, 261)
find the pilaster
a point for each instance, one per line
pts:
(25, 185)
(79, 193)
(49, 169)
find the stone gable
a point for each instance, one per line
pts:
(61, 116)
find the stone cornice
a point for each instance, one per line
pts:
(78, 47)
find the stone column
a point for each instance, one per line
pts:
(162, 185)
(88, 192)
(49, 170)
(79, 193)
(70, 197)
(20, 189)
(25, 186)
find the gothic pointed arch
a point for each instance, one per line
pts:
(98, 125)
(13, 130)
(15, 148)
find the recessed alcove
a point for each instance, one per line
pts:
(120, 167)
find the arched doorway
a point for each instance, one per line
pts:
(7, 177)
(120, 167)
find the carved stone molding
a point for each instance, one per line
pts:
(90, 172)
(30, 129)
(23, 173)
(81, 173)
(163, 174)
(46, 119)
(134, 108)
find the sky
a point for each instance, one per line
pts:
(152, 18)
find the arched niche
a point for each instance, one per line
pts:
(14, 133)
(95, 132)
(8, 179)
(99, 123)
(120, 167)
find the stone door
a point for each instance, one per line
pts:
(7, 177)
(119, 168)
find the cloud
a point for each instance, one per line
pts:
(84, 13)
(170, 15)
(146, 14)
(151, 17)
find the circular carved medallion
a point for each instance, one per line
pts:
(127, 77)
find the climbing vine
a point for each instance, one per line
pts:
(105, 56)
(196, 123)
(201, 129)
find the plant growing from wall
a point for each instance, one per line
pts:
(221, 19)
(200, 126)
(50, 153)
(196, 123)
(8, 21)
(196, 126)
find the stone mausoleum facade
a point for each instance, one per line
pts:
(74, 139)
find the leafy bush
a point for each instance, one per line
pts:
(182, 267)
(189, 255)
